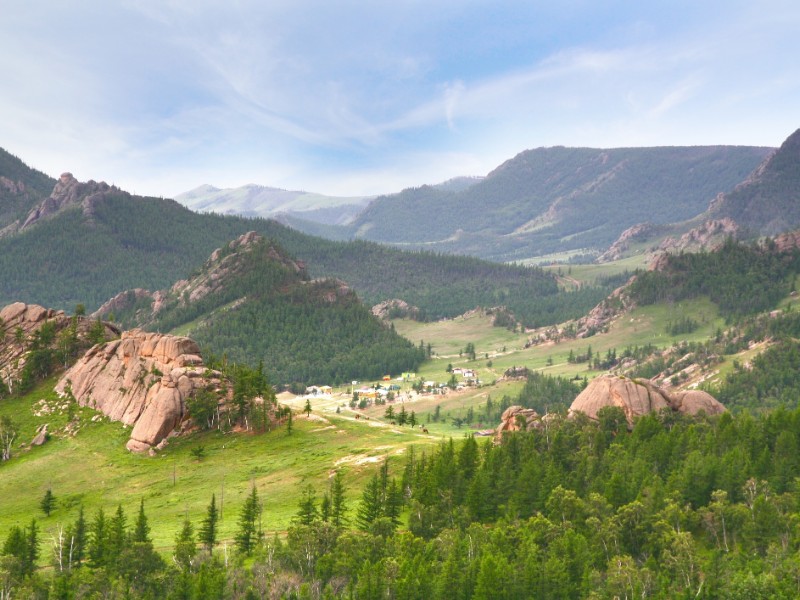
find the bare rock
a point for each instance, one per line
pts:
(517, 418)
(140, 380)
(637, 397)
(41, 436)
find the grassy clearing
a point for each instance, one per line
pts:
(94, 469)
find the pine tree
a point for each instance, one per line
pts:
(185, 548)
(98, 540)
(141, 530)
(338, 507)
(208, 528)
(248, 534)
(77, 536)
(371, 507)
(307, 512)
(48, 502)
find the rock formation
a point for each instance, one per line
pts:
(637, 397)
(395, 308)
(143, 380)
(515, 418)
(67, 192)
(636, 233)
(18, 324)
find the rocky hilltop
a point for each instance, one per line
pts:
(143, 380)
(637, 397)
(19, 324)
(142, 307)
(68, 192)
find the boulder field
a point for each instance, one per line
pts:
(143, 380)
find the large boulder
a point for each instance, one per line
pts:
(517, 418)
(637, 397)
(142, 380)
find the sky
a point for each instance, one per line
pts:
(369, 97)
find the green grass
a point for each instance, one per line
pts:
(94, 469)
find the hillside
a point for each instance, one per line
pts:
(20, 189)
(96, 245)
(768, 201)
(253, 304)
(551, 200)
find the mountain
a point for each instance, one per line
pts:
(251, 302)
(551, 200)
(768, 201)
(259, 201)
(89, 249)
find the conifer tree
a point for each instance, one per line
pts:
(185, 548)
(248, 534)
(141, 530)
(48, 502)
(208, 528)
(338, 507)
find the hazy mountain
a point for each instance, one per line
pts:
(558, 199)
(91, 248)
(259, 201)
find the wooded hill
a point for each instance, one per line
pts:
(251, 303)
(136, 242)
(558, 199)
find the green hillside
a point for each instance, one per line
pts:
(21, 188)
(253, 304)
(767, 203)
(559, 199)
(135, 242)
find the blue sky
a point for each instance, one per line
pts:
(354, 98)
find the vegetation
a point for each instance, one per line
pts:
(741, 279)
(590, 207)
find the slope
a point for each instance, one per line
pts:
(86, 252)
(20, 189)
(768, 202)
(251, 303)
(557, 199)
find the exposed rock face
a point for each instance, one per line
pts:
(601, 316)
(142, 379)
(517, 418)
(637, 397)
(639, 232)
(67, 192)
(395, 308)
(708, 236)
(21, 321)
(223, 264)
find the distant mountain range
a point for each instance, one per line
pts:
(259, 201)
(548, 201)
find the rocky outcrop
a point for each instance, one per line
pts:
(222, 266)
(637, 397)
(708, 236)
(19, 323)
(636, 233)
(395, 309)
(517, 418)
(68, 192)
(143, 380)
(601, 316)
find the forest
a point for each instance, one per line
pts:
(740, 279)
(674, 507)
